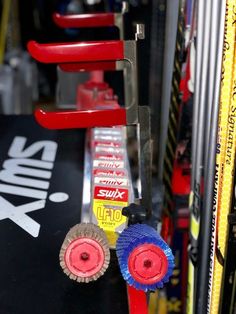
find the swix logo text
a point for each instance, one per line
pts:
(27, 177)
(107, 164)
(117, 194)
(111, 194)
(97, 172)
(109, 181)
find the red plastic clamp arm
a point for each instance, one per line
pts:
(81, 119)
(77, 52)
(84, 20)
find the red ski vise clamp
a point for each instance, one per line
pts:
(75, 52)
(92, 52)
(92, 20)
(81, 119)
(94, 94)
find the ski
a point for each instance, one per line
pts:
(224, 167)
(211, 121)
(228, 300)
(197, 149)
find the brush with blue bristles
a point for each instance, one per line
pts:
(146, 261)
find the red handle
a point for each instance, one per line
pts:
(84, 20)
(81, 119)
(137, 301)
(88, 66)
(77, 52)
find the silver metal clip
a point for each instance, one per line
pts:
(140, 31)
(125, 7)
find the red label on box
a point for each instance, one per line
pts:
(104, 172)
(111, 181)
(108, 164)
(108, 143)
(115, 194)
(108, 156)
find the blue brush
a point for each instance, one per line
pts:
(146, 261)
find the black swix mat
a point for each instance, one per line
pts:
(41, 178)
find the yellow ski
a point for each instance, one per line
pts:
(225, 154)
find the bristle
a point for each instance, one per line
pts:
(85, 231)
(130, 239)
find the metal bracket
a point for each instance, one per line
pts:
(145, 158)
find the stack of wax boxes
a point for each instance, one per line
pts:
(111, 182)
